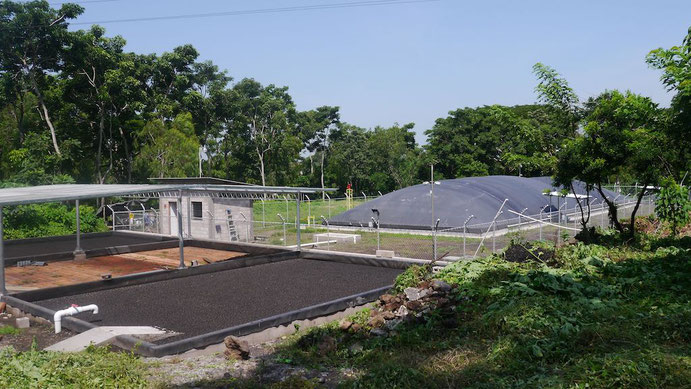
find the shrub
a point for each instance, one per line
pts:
(673, 205)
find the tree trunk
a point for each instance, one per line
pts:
(632, 222)
(101, 127)
(322, 178)
(261, 166)
(612, 210)
(45, 115)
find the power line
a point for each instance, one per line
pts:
(356, 4)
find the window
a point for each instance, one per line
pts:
(197, 212)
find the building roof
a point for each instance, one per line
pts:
(197, 181)
(66, 192)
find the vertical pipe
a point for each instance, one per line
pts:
(464, 233)
(3, 291)
(297, 220)
(181, 241)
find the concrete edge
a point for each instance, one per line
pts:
(148, 277)
(155, 350)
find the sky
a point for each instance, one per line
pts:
(414, 61)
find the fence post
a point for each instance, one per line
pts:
(465, 231)
(494, 237)
(247, 228)
(328, 234)
(434, 237)
(499, 212)
(284, 228)
(328, 204)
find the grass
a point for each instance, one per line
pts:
(8, 330)
(93, 368)
(315, 208)
(598, 317)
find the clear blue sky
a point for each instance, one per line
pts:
(414, 62)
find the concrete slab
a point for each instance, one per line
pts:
(337, 236)
(102, 335)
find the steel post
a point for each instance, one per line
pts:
(3, 290)
(181, 239)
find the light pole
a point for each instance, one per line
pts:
(434, 244)
(432, 183)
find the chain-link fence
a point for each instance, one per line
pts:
(274, 222)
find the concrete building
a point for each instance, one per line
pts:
(216, 218)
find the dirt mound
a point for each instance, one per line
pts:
(525, 251)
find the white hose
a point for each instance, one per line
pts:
(73, 310)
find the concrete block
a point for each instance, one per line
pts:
(102, 335)
(385, 253)
(22, 322)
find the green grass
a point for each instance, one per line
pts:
(600, 317)
(8, 330)
(315, 208)
(93, 368)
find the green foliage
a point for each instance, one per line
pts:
(672, 205)
(38, 220)
(93, 368)
(526, 325)
(411, 277)
(168, 150)
(9, 330)
(496, 140)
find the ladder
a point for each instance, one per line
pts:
(232, 232)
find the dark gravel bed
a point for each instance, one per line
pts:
(204, 303)
(64, 244)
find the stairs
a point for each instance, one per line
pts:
(232, 232)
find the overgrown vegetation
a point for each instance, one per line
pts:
(39, 220)
(596, 316)
(93, 368)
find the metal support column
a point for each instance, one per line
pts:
(3, 291)
(297, 220)
(189, 215)
(78, 252)
(181, 240)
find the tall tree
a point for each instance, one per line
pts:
(33, 40)
(266, 115)
(167, 150)
(315, 127)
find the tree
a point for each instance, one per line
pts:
(266, 115)
(393, 157)
(33, 40)
(168, 150)
(673, 205)
(315, 128)
(675, 64)
(621, 139)
(495, 140)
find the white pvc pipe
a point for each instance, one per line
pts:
(73, 310)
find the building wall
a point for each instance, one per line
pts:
(213, 223)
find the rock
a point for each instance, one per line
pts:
(3, 306)
(450, 322)
(377, 321)
(443, 301)
(392, 324)
(414, 305)
(388, 315)
(392, 306)
(327, 345)
(414, 294)
(387, 299)
(355, 348)
(402, 311)
(441, 286)
(378, 332)
(355, 327)
(22, 322)
(236, 348)
(345, 325)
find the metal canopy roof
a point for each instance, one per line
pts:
(66, 192)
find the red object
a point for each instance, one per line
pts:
(348, 187)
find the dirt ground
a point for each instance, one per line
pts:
(40, 332)
(75, 272)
